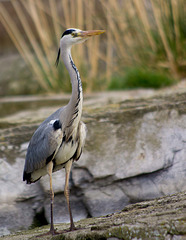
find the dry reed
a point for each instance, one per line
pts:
(139, 32)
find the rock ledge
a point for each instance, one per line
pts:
(162, 218)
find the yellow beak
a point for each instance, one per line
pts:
(90, 33)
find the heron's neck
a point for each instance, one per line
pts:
(75, 104)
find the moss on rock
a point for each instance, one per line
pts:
(154, 219)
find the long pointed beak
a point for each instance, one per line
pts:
(90, 33)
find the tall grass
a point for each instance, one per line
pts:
(147, 33)
(37, 31)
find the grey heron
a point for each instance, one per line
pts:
(59, 139)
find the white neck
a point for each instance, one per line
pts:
(75, 104)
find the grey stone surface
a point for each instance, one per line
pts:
(142, 145)
(135, 150)
(19, 202)
(60, 209)
(105, 200)
(16, 216)
(81, 177)
(12, 186)
(58, 182)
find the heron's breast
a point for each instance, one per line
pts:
(65, 152)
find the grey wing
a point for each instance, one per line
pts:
(42, 147)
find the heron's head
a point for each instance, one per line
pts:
(74, 36)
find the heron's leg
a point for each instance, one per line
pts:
(49, 171)
(66, 192)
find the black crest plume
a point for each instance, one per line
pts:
(57, 59)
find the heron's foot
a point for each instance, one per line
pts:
(72, 228)
(51, 232)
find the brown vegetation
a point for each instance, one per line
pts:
(144, 33)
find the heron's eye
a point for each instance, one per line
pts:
(74, 34)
